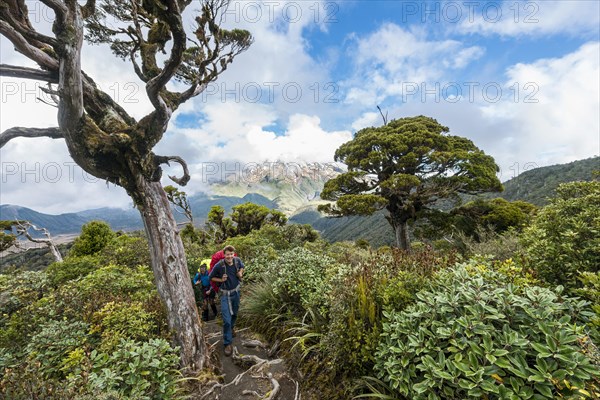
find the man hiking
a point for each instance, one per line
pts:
(228, 272)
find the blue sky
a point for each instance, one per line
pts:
(527, 71)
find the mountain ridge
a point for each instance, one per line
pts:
(298, 197)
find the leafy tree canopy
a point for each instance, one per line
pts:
(564, 239)
(95, 235)
(244, 219)
(498, 214)
(404, 167)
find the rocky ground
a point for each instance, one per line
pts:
(252, 372)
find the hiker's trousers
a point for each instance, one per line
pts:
(229, 315)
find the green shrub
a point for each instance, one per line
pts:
(473, 336)
(261, 308)
(71, 268)
(95, 235)
(125, 250)
(50, 347)
(500, 246)
(20, 290)
(564, 239)
(146, 370)
(301, 279)
(591, 292)
(80, 299)
(116, 321)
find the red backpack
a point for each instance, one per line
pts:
(218, 256)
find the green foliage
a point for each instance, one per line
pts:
(261, 308)
(116, 321)
(128, 251)
(70, 268)
(7, 238)
(19, 291)
(244, 219)
(179, 201)
(222, 226)
(137, 370)
(403, 166)
(496, 214)
(301, 279)
(500, 246)
(49, 349)
(80, 299)
(564, 239)
(473, 336)
(94, 237)
(591, 291)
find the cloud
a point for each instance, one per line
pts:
(240, 134)
(556, 120)
(534, 18)
(392, 57)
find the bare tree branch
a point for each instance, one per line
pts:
(385, 117)
(23, 47)
(22, 228)
(12, 133)
(186, 173)
(28, 73)
(156, 84)
(58, 6)
(24, 27)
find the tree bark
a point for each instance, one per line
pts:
(171, 273)
(402, 238)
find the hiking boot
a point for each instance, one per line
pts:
(228, 350)
(205, 315)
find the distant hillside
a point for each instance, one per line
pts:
(71, 222)
(375, 229)
(120, 219)
(296, 192)
(536, 186)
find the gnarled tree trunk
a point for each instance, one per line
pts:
(108, 143)
(171, 273)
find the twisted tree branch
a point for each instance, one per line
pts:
(186, 172)
(11, 133)
(22, 46)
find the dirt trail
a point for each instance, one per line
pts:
(252, 372)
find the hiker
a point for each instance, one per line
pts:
(228, 272)
(202, 280)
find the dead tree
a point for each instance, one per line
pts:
(22, 228)
(102, 138)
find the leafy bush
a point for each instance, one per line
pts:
(20, 290)
(80, 299)
(261, 308)
(301, 279)
(50, 347)
(71, 268)
(564, 240)
(500, 246)
(591, 292)
(135, 370)
(116, 321)
(128, 251)
(472, 335)
(95, 235)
